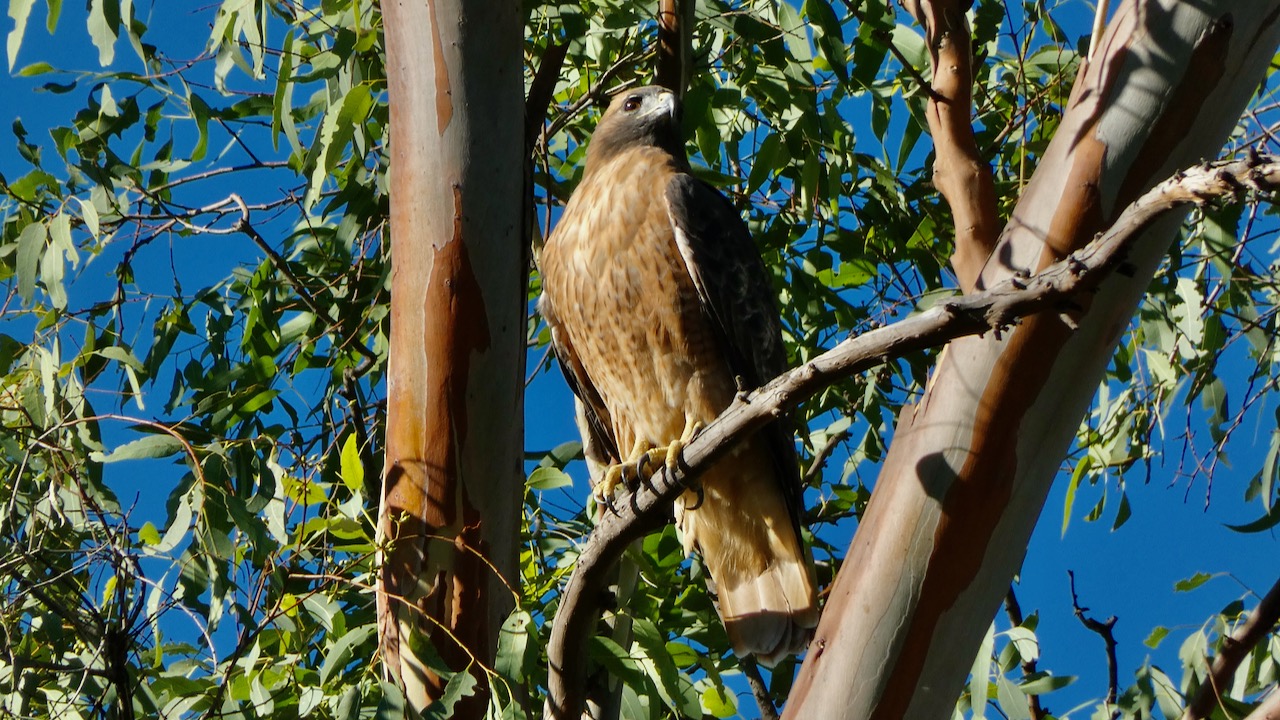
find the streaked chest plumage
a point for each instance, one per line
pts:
(621, 292)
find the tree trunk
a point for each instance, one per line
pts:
(449, 521)
(970, 466)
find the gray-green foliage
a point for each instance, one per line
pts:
(243, 383)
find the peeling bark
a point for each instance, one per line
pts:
(970, 466)
(449, 519)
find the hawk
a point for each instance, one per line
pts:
(660, 311)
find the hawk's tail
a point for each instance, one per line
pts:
(761, 568)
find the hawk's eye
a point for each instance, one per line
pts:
(631, 104)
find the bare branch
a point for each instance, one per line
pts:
(1234, 650)
(758, 688)
(1104, 629)
(992, 310)
(959, 172)
(672, 70)
(541, 90)
(814, 473)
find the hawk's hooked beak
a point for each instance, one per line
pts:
(664, 103)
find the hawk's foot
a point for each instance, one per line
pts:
(622, 473)
(670, 455)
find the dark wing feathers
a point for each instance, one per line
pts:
(735, 291)
(738, 299)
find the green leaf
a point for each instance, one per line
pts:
(1012, 699)
(282, 99)
(1024, 640)
(980, 675)
(1123, 512)
(34, 69)
(911, 43)
(794, 32)
(461, 685)
(340, 653)
(179, 525)
(200, 112)
(19, 11)
(352, 466)
(339, 127)
(1266, 522)
(104, 28)
(151, 446)
(149, 534)
(55, 10)
(31, 243)
(1192, 582)
(309, 698)
(676, 689)
(1069, 502)
(548, 478)
(89, 213)
(513, 644)
(616, 660)
(1042, 683)
(1158, 633)
(392, 704)
(718, 703)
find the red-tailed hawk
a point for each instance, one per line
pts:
(658, 304)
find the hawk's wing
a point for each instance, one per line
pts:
(598, 443)
(737, 297)
(733, 285)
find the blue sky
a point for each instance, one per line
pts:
(1129, 572)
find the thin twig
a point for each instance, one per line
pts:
(761, 691)
(814, 472)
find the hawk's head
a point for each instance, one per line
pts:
(642, 116)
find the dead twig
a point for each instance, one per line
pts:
(1105, 630)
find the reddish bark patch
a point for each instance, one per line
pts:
(444, 92)
(433, 529)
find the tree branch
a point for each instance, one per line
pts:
(959, 172)
(758, 688)
(542, 90)
(1234, 650)
(990, 310)
(1104, 629)
(672, 71)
